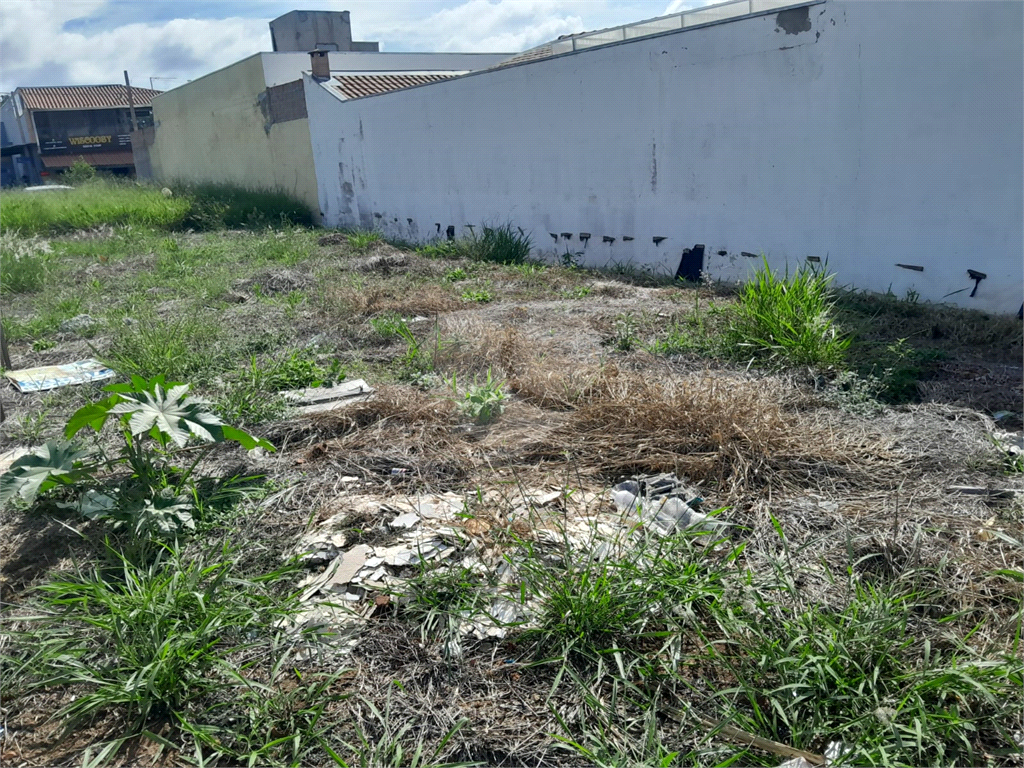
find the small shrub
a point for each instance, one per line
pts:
(79, 173)
(787, 320)
(482, 402)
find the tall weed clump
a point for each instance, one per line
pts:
(24, 263)
(788, 320)
(219, 206)
(504, 244)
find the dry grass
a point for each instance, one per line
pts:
(347, 301)
(733, 432)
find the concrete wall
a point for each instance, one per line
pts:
(242, 125)
(867, 134)
(215, 129)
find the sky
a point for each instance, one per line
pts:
(71, 42)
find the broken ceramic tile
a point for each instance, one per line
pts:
(407, 520)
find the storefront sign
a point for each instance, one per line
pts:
(71, 144)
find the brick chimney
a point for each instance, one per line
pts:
(321, 65)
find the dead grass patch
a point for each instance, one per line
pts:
(733, 432)
(350, 300)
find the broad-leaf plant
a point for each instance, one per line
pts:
(140, 486)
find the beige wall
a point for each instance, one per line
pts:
(213, 130)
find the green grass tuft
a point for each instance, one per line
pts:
(788, 320)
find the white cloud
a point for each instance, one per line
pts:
(678, 6)
(35, 49)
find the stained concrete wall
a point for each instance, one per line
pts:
(243, 125)
(215, 129)
(864, 134)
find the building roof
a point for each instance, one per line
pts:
(358, 86)
(84, 97)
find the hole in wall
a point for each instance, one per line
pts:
(691, 264)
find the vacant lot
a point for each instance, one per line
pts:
(439, 573)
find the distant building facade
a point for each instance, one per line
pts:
(43, 131)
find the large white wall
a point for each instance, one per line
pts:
(888, 132)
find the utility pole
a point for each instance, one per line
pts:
(131, 101)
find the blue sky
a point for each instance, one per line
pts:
(68, 42)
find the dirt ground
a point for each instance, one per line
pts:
(849, 484)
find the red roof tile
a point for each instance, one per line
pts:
(84, 97)
(357, 86)
(98, 159)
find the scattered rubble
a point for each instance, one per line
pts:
(273, 282)
(78, 324)
(320, 399)
(401, 533)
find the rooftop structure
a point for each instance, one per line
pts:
(316, 31)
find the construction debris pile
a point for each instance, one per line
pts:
(356, 572)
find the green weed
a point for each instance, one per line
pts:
(455, 275)
(480, 295)
(219, 206)
(483, 402)
(187, 347)
(865, 678)
(389, 327)
(151, 644)
(363, 239)
(787, 320)
(24, 263)
(92, 205)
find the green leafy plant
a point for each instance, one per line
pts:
(139, 487)
(482, 402)
(787, 319)
(481, 295)
(576, 292)
(626, 333)
(455, 275)
(389, 326)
